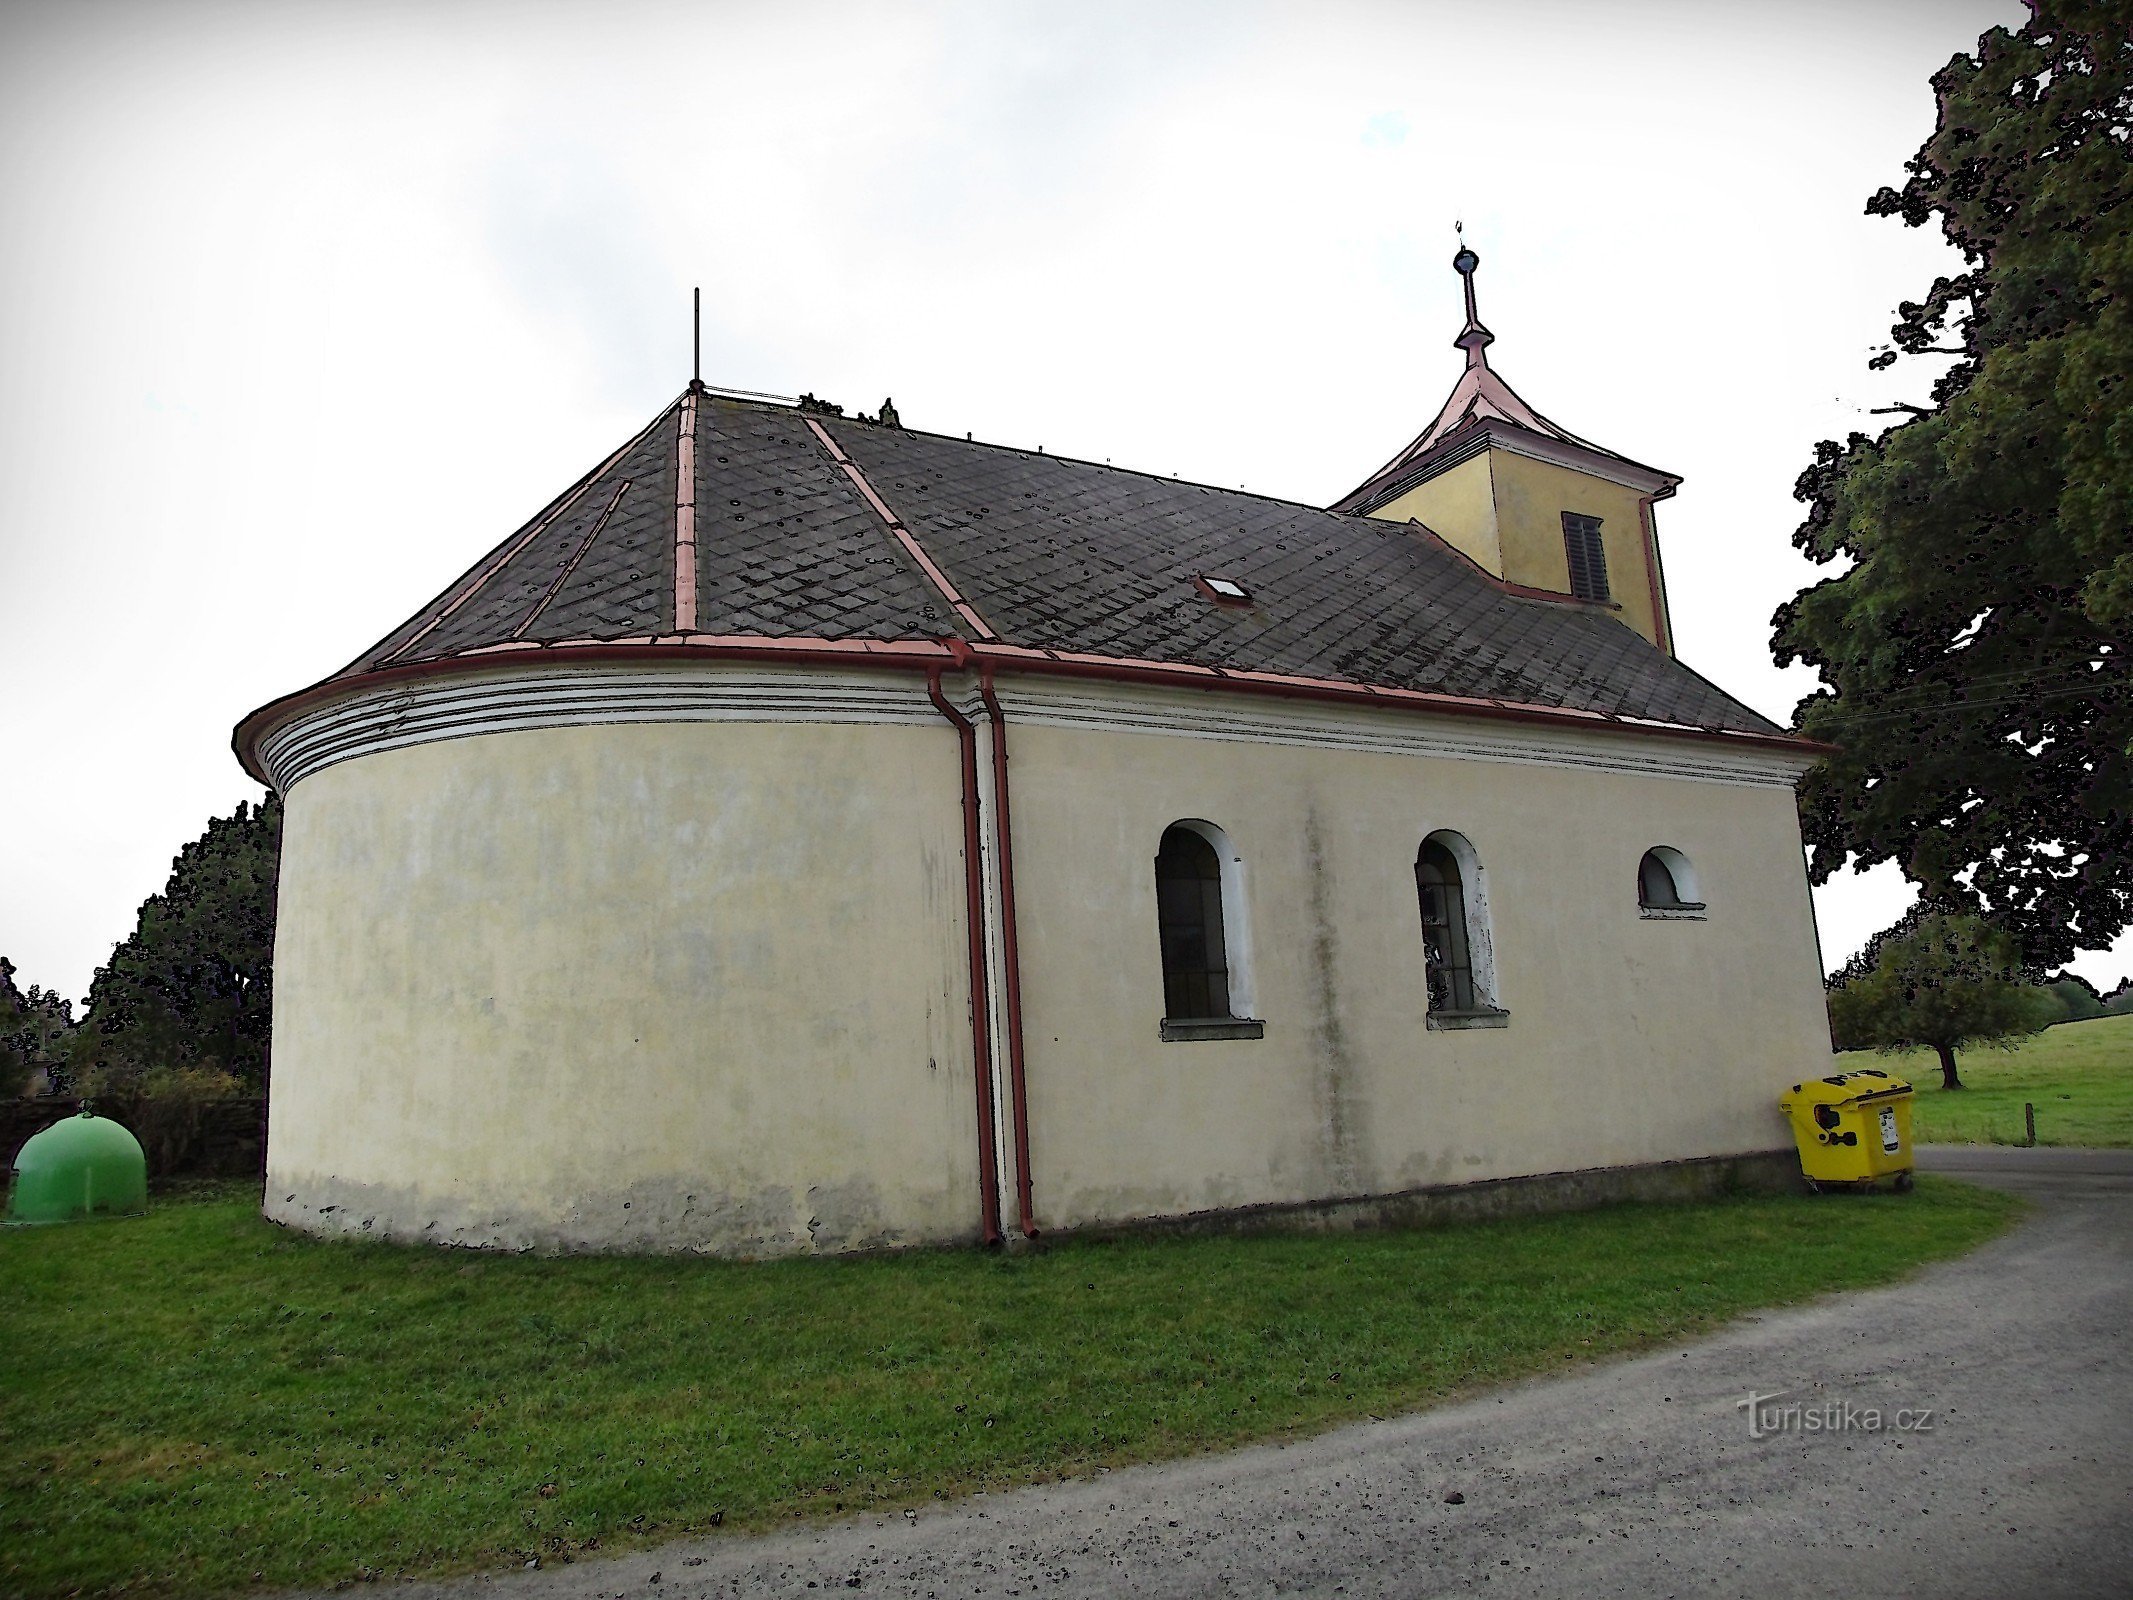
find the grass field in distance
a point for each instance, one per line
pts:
(2079, 1076)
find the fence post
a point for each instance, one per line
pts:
(2029, 1123)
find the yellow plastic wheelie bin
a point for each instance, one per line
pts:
(1853, 1128)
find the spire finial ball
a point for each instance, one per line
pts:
(1465, 262)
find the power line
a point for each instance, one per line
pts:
(1956, 707)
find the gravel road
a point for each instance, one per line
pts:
(1636, 1478)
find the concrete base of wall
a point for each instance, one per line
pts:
(1706, 1178)
(651, 1227)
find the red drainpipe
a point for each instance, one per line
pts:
(980, 996)
(1010, 954)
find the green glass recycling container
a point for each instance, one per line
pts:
(77, 1167)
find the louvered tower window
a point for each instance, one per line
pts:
(1588, 556)
(1188, 903)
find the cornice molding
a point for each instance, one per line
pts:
(371, 719)
(1489, 433)
(1241, 719)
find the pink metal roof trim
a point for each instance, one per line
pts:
(504, 556)
(685, 519)
(902, 534)
(571, 565)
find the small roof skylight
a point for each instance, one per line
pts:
(1227, 589)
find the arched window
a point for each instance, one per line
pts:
(1666, 884)
(1458, 963)
(1188, 907)
(1447, 961)
(1200, 916)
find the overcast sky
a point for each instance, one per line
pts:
(305, 306)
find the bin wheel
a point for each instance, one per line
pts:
(1903, 1183)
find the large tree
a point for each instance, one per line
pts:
(192, 987)
(34, 1026)
(1940, 980)
(1974, 654)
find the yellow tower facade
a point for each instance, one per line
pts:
(1533, 505)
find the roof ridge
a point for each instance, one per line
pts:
(685, 515)
(1045, 455)
(563, 573)
(901, 531)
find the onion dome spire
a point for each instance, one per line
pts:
(1474, 339)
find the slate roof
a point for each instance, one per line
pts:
(1048, 553)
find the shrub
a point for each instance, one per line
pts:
(168, 1109)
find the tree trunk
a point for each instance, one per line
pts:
(1948, 1079)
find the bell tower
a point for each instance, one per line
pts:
(1530, 503)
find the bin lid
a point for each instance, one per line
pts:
(1847, 1088)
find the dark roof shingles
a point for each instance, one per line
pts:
(491, 613)
(786, 545)
(1071, 556)
(1052, 553)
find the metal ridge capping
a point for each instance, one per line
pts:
(562, 576)
(902, 534)
(556, 508)
(685, 518)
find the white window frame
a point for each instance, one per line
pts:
(1236, 938)
(1688, 887)
(1480, 940)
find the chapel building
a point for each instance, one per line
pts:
(810, 833)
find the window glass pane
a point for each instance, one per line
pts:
(1188, 898)
(1447, 968)
(1655, 885)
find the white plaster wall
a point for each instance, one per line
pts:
(660, 985)
(1629, 1040)
(701, 983)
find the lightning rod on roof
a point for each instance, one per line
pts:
(696, 338)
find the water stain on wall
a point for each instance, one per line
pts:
(1332, 1068)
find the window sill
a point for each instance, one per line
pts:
(1179, 1030)
(1450, 1021)
(1681, 913)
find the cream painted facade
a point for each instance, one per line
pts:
(643, 985)
(675, 957)
(1505, 511)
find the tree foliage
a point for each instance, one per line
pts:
(1974, 654)
(2078, 999)
(191, 990)
(1941, 980)
(34, 1029)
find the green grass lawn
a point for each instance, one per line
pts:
(198, 1401)
(2079, 1076)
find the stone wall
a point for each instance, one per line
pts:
(226, 1144)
